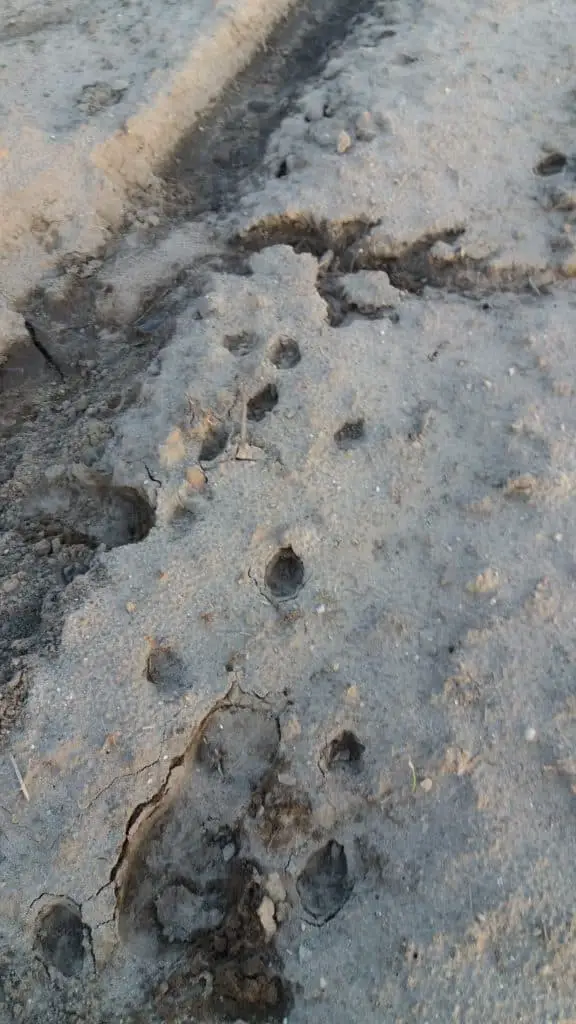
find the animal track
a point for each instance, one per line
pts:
(59, 937)
(554, 163)
(324, 885)
(232, 973)
(262, 403)
(165, 669)
(188, 880)
(284, 574)
(286, 354)
(223, 749)
(214, 442)
(348, 435)
(241, 344)
(343, 749)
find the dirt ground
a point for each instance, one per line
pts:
(288, 554)
(94, 95)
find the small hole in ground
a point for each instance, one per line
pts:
(345, 748)
(551, 164)
(60, 938)
(214, 443)
(282, 170)
(286, 354)
(350, 433)
(139, 515)
(240, 344)
(325, 884)
(284, 573)
(91, 510)
(165, 669)
(262, 403)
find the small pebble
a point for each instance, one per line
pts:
(228, 852)
(442, 252)
(426, 785)
(11, 584)
(344, 142)
(266, 915)
(43, 547)
(530, 734)
(286, 779)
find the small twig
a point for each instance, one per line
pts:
(23, 788)
(244, 420)
(413, 771)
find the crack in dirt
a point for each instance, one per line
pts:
(118, 778)
(137, 813)
(437, 259)
(42, 348)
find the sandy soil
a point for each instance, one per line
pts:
(94, 95)
(288, 596)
